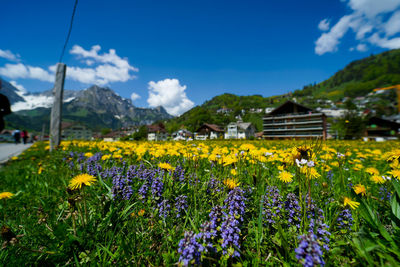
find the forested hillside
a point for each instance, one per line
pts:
(358, 78)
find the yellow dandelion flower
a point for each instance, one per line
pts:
(377, 179)
(105, 157)
(285, 177)
(40, 170)
(395, 165)
(6, 195)
(393, 155)
(360, 189)
(231, 184)
(312, 173)
(166, 166)
(14, 158)
(395, 173)
(80, 180)
(372, 171)
(351, 203)
(88, 154)
(358, 167)
(233, 172)
(335, 164)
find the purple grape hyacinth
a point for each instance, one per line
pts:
(164, 208)
(309, 252)
(230, 235)
(190, 249)
(180, 204)
(234, 203)
(345, 221)
(273, 205)
(216, 216)
(294, 210)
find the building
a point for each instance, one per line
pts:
(378, 128)
(208, 131)
(292, 120)
(182, 134)
(70, 131)
(113, 136)
(240, 130)
(156, 132)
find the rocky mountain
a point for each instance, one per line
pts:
(10, 91)
(96, 107)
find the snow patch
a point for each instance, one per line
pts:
(32, 101)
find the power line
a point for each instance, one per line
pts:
(69, 31)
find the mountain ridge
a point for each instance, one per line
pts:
(96, 107)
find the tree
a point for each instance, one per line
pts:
(141, 134)
(105, 131)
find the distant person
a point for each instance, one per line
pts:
(4, 109)
(24, 136)
(17, 136)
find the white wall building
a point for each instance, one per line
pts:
(240, 130)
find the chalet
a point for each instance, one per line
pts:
(378, 128)
(182, 134)
(113, 136)
(292, 120)
(70, 130)
(240, 130)
(208, 131)
(156, 132)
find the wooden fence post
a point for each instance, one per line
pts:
(56, 111)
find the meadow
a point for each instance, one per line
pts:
(214, 203)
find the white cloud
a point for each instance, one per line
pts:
(384, 42)
(393, 25)
(372, 8)
(324, 25)
(329, 41)
(134, 97)
(169, 94)
(7, 54)
(19, 70)
(103, 68)
(367, 19)
(361, 47)
(110, 68)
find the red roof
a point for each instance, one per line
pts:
(209, 128)
(156, 128)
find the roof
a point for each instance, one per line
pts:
(383, 123)
(66, 125)
(156, 128)
(244, 125)
(290, 107)
(212, 127)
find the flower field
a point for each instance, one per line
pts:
(229, 203)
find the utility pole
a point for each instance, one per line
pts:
(56, 111)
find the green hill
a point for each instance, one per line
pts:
(358, 78)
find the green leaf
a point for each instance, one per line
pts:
(396, 185)
(395, 203)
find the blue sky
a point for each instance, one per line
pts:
(181, 53)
